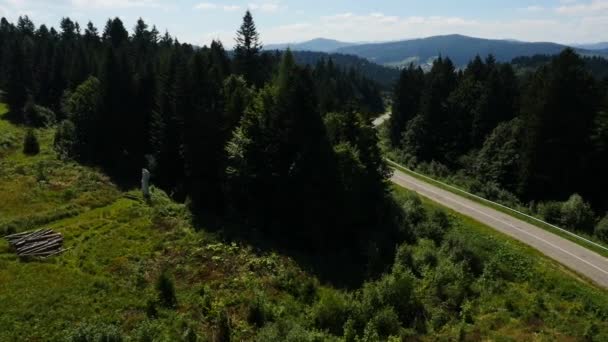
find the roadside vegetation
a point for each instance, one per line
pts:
(533, 139)
(141, 271)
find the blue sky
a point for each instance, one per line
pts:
(564, 21)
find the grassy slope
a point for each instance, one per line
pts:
(119, 245)
(545, 301)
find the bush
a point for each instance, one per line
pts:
(95, 333)
(223, 331)
(30, 143)
(387, 323)
(601, 230)
(424, 255)
(65, 139)
(330, 312)
(550, 211)
(574, 214)
(434, 169)
(435, 227)
(257, 314)
(290, 331)
(577, 214)
(166, 291)
(413, 210)
(38, 116)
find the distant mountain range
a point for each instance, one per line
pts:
(315, 45)
(461, 49)
(595, 46)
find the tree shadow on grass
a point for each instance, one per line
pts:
(346, 265)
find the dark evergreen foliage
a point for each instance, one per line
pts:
(30, 143)
(541, 136)
(406, 101)
(243, 139)
(166, 291)
(247, 51)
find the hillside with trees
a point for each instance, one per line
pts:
(270, 216)
(536, 138)
(460, 49)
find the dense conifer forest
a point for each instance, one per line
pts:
(241, 136)
(532, 132)
(271, 217)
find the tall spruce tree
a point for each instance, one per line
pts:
(560, 106)
(406, 101)
(17, 82)
(84, 111)
(280, 161)
(247, 51)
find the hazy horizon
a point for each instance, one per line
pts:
(288, 21)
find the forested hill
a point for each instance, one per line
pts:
(317, 45)
(243, 137)
(460, 49)
(537, 140)
(384, 76)
(597, 66)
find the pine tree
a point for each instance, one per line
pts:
(247, 50)
(17, 83)
(237, 97)
(84, 111)
(68, 29)
(115, 33)
(435, 121)
(25, 26)
(406, 101)
(280, 161)
(560, 106)
(30, 143)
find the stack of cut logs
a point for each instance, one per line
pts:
(40, 243)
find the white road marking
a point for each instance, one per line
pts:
(398, 176)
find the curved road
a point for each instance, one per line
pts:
(580, 259)
(566, 252)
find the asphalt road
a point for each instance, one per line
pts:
(579, 259)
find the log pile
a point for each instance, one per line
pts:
(40, 243)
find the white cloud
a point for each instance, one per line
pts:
(208, 6)
(380, 27)
(101, 4)
(533, 8)
(231, 8)
(205, 6)
(267, 7)
(594, 7)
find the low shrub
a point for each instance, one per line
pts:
(65, 139)
(224, 330)
(257, 313)
(291, 331)
(387, 323)
(166, 291)
(95, 333)
(38, 116)
(331, 312)
(601, 230)
(575, 214)
(31, 146)
(435, 227)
